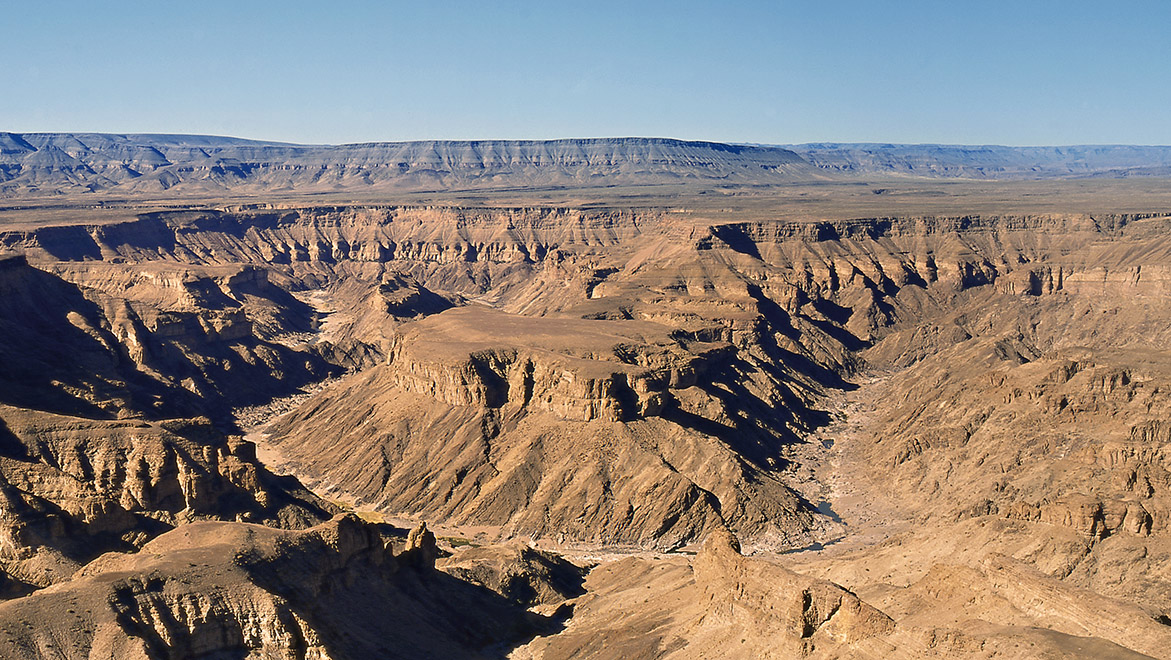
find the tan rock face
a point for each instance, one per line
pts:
(518, 572)
(723, 604)
(576, 369)
(420, 549)
(73, 488)
(773, 601)
(207, 589)
(1066, 440)
(527, 473)
(135, 344)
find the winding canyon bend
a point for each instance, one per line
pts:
(654, 398)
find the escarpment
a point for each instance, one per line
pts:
(94, 455)
(718, 604)
(1057, 434)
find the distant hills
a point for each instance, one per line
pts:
(65, 163)
(40, 164)
(987, 162)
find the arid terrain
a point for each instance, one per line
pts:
(630, 398)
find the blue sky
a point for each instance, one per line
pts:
(1019, 73)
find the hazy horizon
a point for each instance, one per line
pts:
(594, 137)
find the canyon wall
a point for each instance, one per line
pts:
(701, 346)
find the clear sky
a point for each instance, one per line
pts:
(1006, 72)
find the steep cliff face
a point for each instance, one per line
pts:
(573, 368)
(117, 340)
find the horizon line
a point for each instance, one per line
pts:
(779, 145)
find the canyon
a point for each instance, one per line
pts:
(609, 398)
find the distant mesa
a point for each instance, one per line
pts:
(53, 164)
(39, 164)
(987, 161)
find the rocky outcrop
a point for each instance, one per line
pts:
(420, 549)
(519, 572)
(230, 589)
(801, 614)
(723, 604)
(73, 488)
